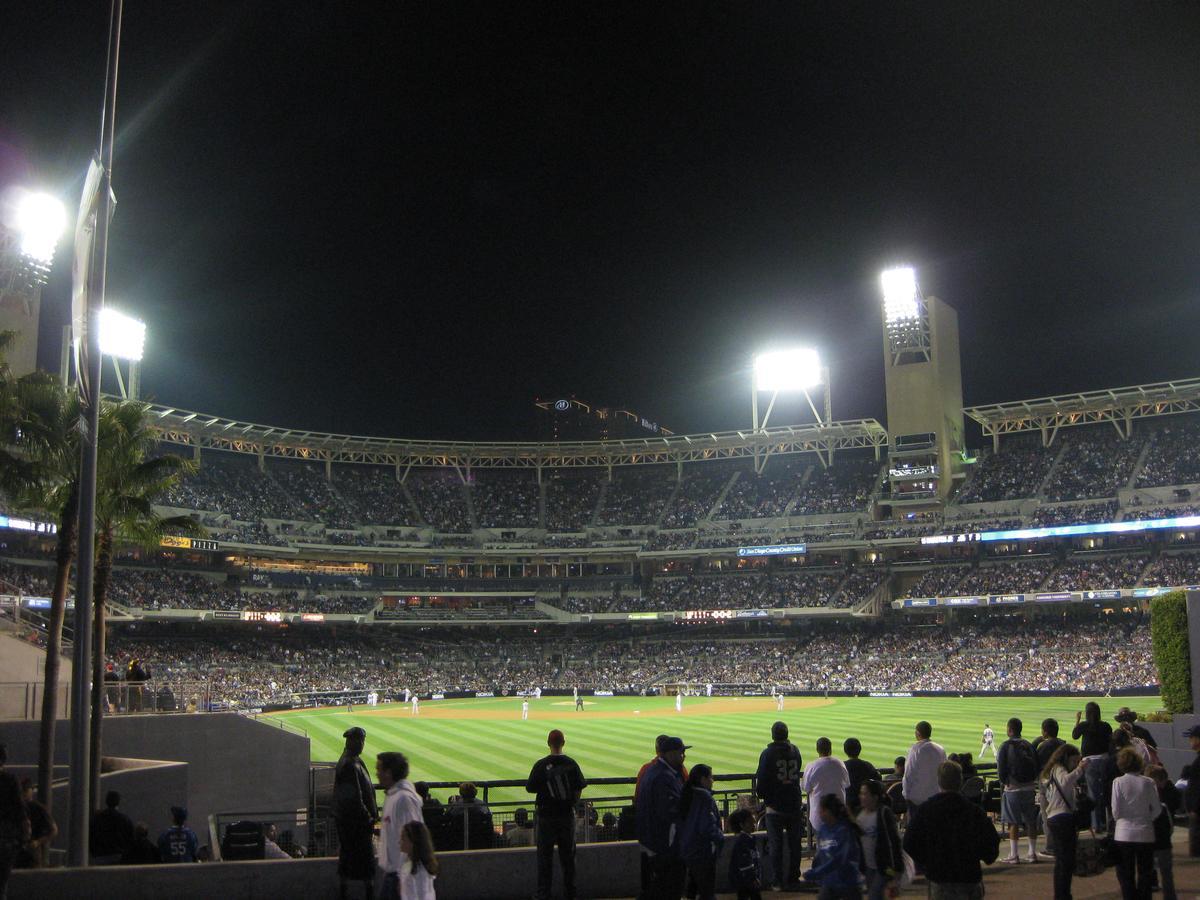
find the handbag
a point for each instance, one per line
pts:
(1091, 856)
(1081, 808)
(909, 874)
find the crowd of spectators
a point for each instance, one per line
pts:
(314, 495)
(1174, 455)
(939, 581)
(843, 487)
(1173, 570)
(637, 495)
(1076, 514)
(698, 491)
(571, 498)
(235, 487)
(565, 541)
(504, 498)
(1096, 463)
(1138, 513)
(1088, 572)
(376, 494)
(1015, 472)
(764, 496)
(671, 540)
(1007, 576)
(251, 669)
(155, 589)
(757, 590)
(441, 499)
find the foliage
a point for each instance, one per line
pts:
(1169, 632)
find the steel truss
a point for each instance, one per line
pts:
(1120, 406)
(208, 432)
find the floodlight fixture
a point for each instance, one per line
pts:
(120, 335)
(901, 302)
(40, 220)
(788, 370)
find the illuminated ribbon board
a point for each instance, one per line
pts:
(1030, 534)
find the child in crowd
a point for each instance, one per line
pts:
(420, 865)
(745, 867)
(837, 865)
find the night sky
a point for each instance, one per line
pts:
(409, 219)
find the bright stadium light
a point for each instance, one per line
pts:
(788, 370)
(40, 220)
(900, 301)
(120, 335)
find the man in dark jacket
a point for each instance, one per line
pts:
(657, 815)
(859, 770)
(557, 782)
(111, 832)
(1127, 716)
(949, 836)
(778, 785)
(1191, 796)
(354, 813)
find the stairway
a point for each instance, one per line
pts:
(721, 496)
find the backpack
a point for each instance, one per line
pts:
(1022, 762)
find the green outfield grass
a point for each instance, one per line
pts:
(478, 740)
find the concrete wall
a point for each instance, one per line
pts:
(604, 870)
(234, 764)
(22, 672)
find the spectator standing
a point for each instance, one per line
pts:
(824, 775)
(558, 783)
(882, 858)
(1094, 735)
(1164, 825)
(836, 865)
(1127, 716)
(354, 814)
(1017, 768)
(745, 868)
(700, 838)
(778, 784)
(920, 781)
(860, 772)
(1191, 797)
(657, 809)
(178, 844)
(1135, 806)
(111, 832)
(42, 830)
(420, 866)
(1047, 742)
(14, 821)
(1057, 783)
(401, 805)
(949, 837)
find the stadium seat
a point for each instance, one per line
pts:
(243, 840)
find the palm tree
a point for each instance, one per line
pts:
(39, 470)
(128, 480)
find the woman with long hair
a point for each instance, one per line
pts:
(881, 852)
(699, 838)
(420, 865)
(1056, 790)
(836, 865)
(1094, 735)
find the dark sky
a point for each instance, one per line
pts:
(411, 218)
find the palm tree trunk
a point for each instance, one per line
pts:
(64, 556)
(104, 563)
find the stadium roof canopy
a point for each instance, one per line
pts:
(1120, 406)
(202, 431)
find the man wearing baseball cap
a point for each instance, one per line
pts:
(1191, 795)
(354, 813)
(657, 811)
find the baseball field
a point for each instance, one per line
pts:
(486, 739)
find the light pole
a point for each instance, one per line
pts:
(797, 370)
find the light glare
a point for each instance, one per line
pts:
(40, 220)
(900, 294)
(788, 370)
(120, 335)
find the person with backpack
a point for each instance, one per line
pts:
(837, 867)
(780, 769)
(1017, 768)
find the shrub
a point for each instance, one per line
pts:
(1169, 631)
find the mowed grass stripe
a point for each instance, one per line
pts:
(616, 745)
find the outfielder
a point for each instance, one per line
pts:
(416, 705)
(988, 741)
(524, 709)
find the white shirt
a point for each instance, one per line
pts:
(868, 822)
(920, 771)
(1135, 806)
(824, 775)
(416, 886)
(401, 805)
(1052, 801)
(988, 735)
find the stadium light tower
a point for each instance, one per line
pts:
(31, 224)
(797, 370)
(905, 316)
(123, 338)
